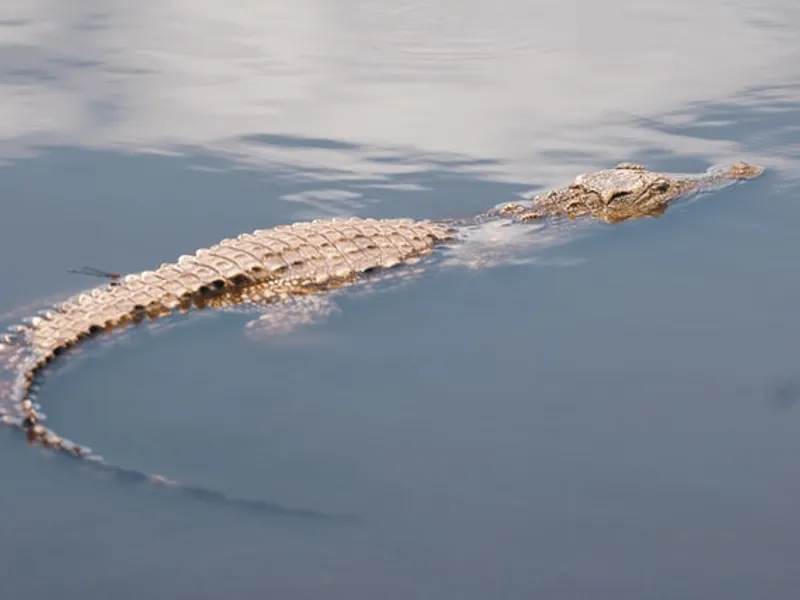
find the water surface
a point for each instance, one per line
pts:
(612, 418)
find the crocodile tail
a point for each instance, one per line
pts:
(198, 493)
(193, 492)
(18, 411)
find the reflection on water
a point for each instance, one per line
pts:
(593, 420)
(525, 83)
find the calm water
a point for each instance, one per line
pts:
(613, 418)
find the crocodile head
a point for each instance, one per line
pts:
(628, 191)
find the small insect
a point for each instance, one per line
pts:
(114, 277)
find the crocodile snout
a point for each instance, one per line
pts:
(742, 170)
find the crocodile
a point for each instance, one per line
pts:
(269, 266)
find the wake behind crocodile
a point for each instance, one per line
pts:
(289, 275)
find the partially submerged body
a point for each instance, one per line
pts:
(270, 266)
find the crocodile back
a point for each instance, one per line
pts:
(261, 266)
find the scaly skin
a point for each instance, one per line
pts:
(628, 191)
(305, 258)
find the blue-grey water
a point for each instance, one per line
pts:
(612, 418)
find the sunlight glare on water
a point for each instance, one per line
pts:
(539, 88)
